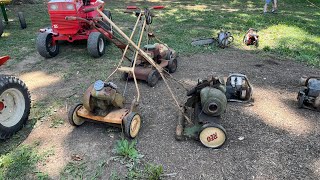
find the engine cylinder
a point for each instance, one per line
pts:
(213, 101)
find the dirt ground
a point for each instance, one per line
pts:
(269, 139)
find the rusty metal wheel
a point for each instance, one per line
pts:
(73, 118)
(132, 124)
(153, 78)
(212, 135)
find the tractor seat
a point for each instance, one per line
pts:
(150, 47)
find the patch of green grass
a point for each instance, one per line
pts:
(56, 122)
(74, 170)
(20, 163)
(153, 172)
(127, 150)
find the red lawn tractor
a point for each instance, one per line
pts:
(14, 103)
(64, 30)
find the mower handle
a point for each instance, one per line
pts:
(86, 10)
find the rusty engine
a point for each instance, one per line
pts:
(309, 95)
(101, 98)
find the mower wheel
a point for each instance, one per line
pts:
(173, 64)
(96, 44)
(132, 124)
(22, 20)
(45, 47)
(125, 77)
(14, 105)
(105, 24)
(300, 99)
(153, 78)
(1, 27)
(256, 44)
(73, 118)
(212, 135)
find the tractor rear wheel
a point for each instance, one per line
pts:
(45, 45)
(1, 27)
(22, 20)
(14, 105)
(212, 135)
(105, 24)
(132, 124)
(96, 44)
(73, 118)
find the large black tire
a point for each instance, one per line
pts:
(96, 44)
(105, 24)
(44, 45)
(132, 124)
(153, 78)
(212, 135)
(14, 105)
(22, 20)
(73, 118)
(1, 27)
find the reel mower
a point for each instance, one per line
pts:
(103, 102)
(64, 30)
(14, 103)
(309, 95)
(251, 37)
(239, 88)
(21, 18)
(208, 102)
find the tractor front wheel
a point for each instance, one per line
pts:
(212, 135)
(14, 105)
(132, 124)
(22, 20)
(96, 44)
(45, 45)
(1, 27)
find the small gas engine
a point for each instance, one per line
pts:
(309, 95)
(239, 88)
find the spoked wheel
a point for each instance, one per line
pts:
(1, 27)
(14, 105)
(212, 135)
(22, 20)
(46, 46)
(132, 124)
(96, 44)
(73, 117)
(153, 78)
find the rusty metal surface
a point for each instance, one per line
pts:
(86, 100)
(115, 116)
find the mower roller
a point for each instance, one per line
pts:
(102, 101)
(14, 103)
(21, 18)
